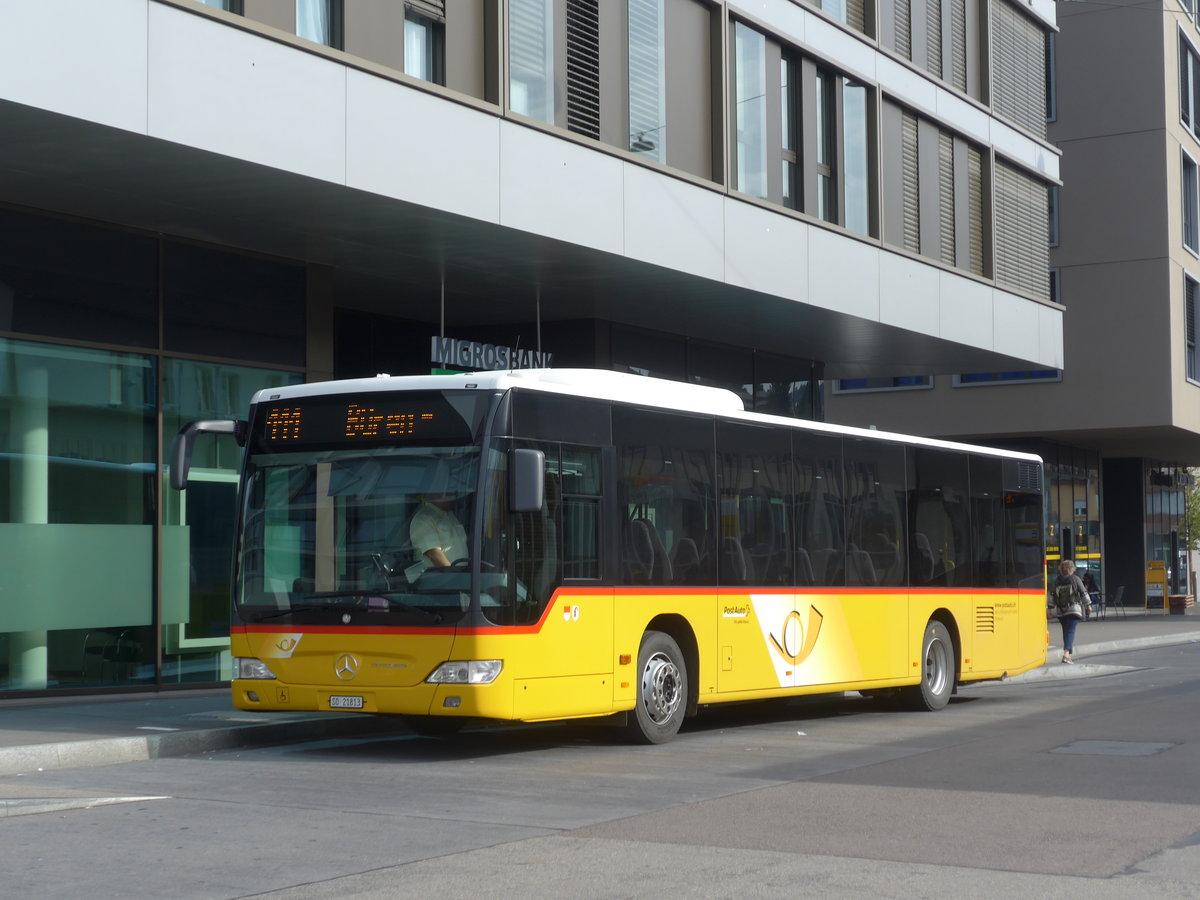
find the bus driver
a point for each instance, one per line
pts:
(438, 538)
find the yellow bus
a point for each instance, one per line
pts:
(542, 545)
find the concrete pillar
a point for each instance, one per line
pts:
(30, 492)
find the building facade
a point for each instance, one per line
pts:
(1119, 423)
(199, 199)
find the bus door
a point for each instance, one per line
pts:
(760, 634)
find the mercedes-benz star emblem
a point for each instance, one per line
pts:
(345, 667)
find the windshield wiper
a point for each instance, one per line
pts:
(392, 604)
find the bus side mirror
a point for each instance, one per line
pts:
(526, 480)
(181, 450)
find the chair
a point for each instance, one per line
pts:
(1115, 602)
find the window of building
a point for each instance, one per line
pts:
(1191, 296)
(1189, 6)
(531, 58)
(647, 79)
(1018, 68)
(971, 379)
(424, 46)
(826, 131)
(926, 205)
(1190, 209)
(320, 21)
(1056, 285)
(788, 119)
(233, 6)
(750, 103)
(855, 157)
(1189, 86)
(1022, 251)
(1051, 78)
(848, 12)
(898, 383)
(1052, 213)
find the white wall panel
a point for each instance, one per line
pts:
(402, 142)
(851, 54)
(843, 274)
(765, 251)
(963, 117)
(555, 187)
(1050, 331)
(909, 293)
(966, 314)
(674, 224)
(224, 90)
(1011, 143)
(1015, 323)
(77, 57)
(901, 81)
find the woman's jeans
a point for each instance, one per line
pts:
(1069, 624)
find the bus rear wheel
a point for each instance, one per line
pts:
(662, 690)
(937, 670)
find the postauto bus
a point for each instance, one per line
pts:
(628, 547)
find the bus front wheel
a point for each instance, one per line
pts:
(662, 690)
(937, 670)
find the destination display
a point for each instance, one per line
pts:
(414, 417)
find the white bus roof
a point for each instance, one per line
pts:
(605, 384)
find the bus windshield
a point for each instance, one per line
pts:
(343, 522)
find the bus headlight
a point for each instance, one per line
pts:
(249, 667)
(473, 671)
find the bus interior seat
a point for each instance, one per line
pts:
(685, 561)
(860, 568)
(922, 557)
(639, 555)
(660, 569)
(733, 561)
(804, 569)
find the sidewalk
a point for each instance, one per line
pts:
(73, 732)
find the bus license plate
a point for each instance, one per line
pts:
(336, 702)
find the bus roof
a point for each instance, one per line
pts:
(605, 384)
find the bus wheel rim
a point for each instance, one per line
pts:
(661, 694)
(936, 667)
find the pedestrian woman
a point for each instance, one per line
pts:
(1071, 602)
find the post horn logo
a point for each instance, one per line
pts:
(346, 667)
(798, 639)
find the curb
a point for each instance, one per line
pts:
(114, 751)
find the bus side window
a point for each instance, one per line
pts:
(755, 505)
(665, 496)
(820, 509)
(876, 549)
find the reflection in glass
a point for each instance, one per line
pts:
(531, 58)
(314, 21)
(854, 163)
(647, 80)
(422, 48)
(750, 74)
(77, 445)
(198, 523)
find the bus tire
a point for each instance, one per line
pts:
(662, 690)
(937, 670)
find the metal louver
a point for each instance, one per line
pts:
(1022, 258)
(1018, 69)
(903, 15)
(583, 67)
(949, 249)
(911, 181)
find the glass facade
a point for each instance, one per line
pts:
(1165, 490)
(99, 589)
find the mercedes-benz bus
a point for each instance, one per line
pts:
(612, 546)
